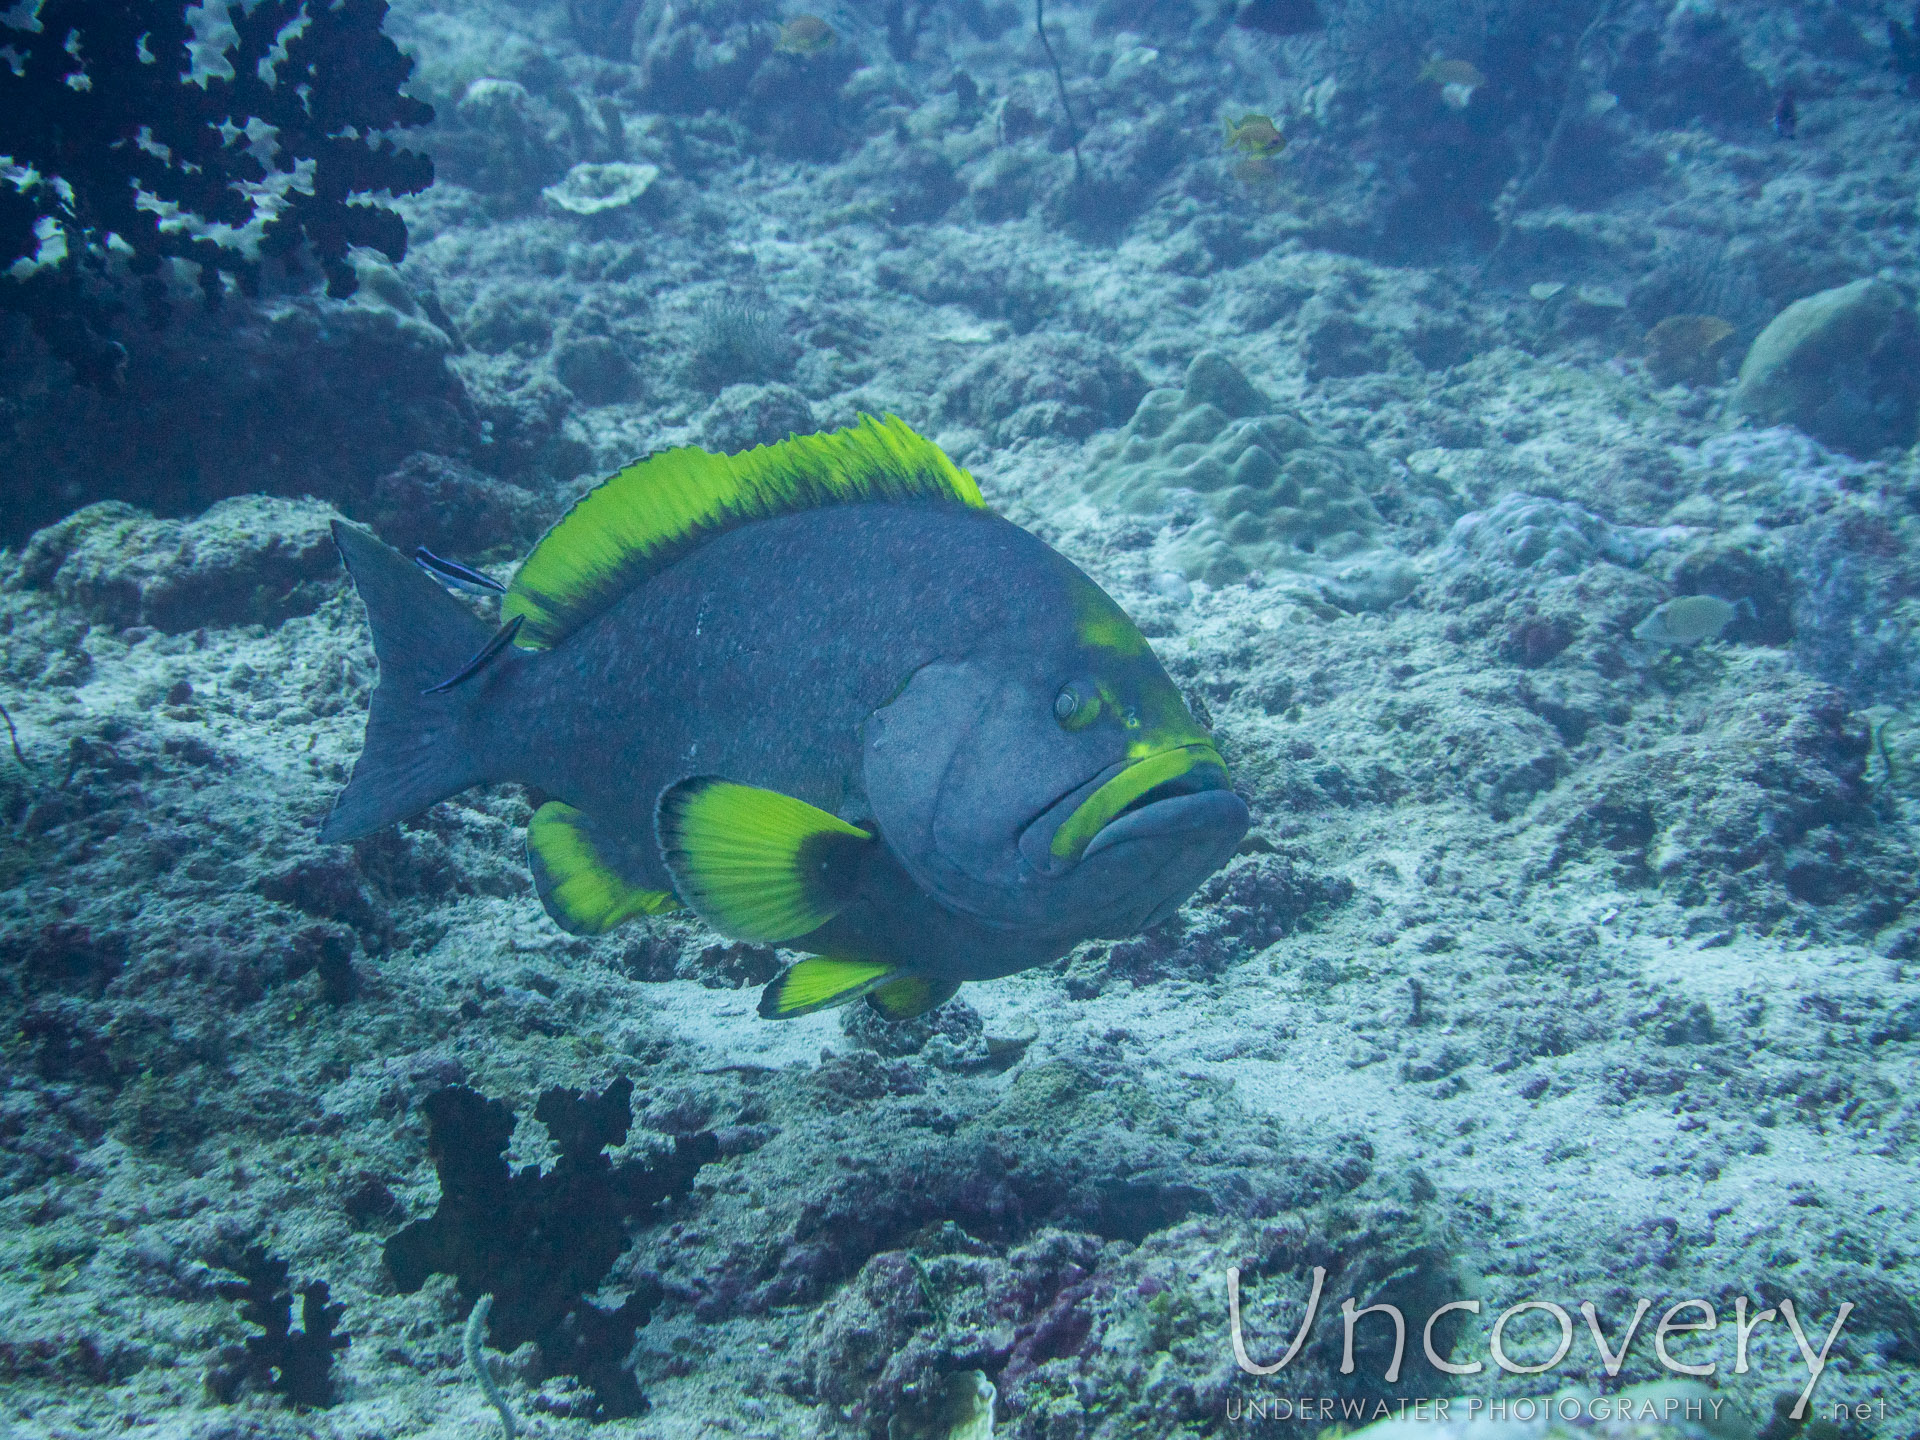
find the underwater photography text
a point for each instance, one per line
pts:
(1702, 1318)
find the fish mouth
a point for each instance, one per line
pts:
(1114, 805)
(1173, 816)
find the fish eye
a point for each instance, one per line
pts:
(1075, 707)
(1130, 718)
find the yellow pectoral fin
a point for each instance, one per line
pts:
(819, 982)
(755, 864)
(578, 881)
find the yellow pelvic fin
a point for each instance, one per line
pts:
(643, 518)
(756, 864)
(818, 982)
(911, 995)
(579, 881)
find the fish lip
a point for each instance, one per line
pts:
(1194, 810)
(1205, 775)
(1165, 774)
(1182, 839)
(1037, 834)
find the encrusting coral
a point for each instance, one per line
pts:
(1273, 495)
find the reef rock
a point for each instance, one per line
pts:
(448, 506)
(1272, 495)
(1856, 602)
(748, 415)
(1767, 815)
(1532, 532)
(249, 560)
(270, 389)
(1842, 365)
(1043, 385)
(595, 370)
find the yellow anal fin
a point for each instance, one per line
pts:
(911, 995)
(755, 864)
(816, 983)
(578, 878)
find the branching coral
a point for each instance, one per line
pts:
(538, 1243)
(139, 132)
(295, 1363)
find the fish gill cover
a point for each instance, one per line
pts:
(140, 132)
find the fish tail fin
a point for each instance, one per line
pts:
(420, 747)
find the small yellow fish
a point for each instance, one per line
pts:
(805, 35)
(1255, 135)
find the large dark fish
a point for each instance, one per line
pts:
(820, 694)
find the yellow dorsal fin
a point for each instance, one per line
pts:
(640, 520)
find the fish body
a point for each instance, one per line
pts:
(885, 727)
(1457, 79)
(805, 35)
(1255, 136)
(1689, 619)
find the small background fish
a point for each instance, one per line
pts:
(805, 35)
(1255, 135)
(1457, 79)
(1690, 619)
(1686, 348)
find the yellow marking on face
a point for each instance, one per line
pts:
(1102, 625)
(1134, 691)
(1163, 722)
